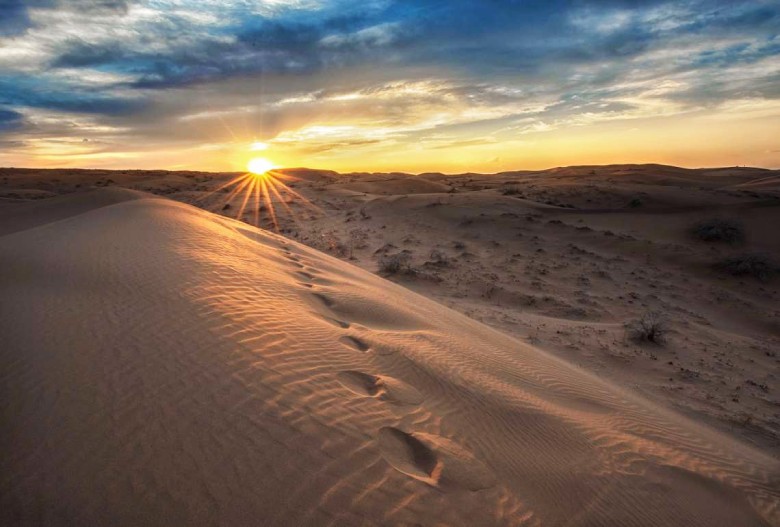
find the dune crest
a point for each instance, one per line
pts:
(163, 365)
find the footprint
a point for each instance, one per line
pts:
(303, 275)
(355, 342)
(380, 387)
(326, 300)
(336, 322)
(434, 460)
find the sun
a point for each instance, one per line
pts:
(259, 165)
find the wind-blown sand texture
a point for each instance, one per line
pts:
(162, 365)
(562, 259)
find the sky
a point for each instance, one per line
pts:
(389, 85)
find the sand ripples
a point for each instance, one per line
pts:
(173, 369)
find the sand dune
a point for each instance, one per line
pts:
(166, 366)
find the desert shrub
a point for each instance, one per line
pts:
(511, 191)
(400, 263)
(635, 203)
(755, 265)
(650, 327)
(358, 239)
(719, 230)
(439, 259)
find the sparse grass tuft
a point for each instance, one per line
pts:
(400, 263)
(650, 327)
(754, 265)
(719, 230)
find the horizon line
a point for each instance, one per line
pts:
(721, 167)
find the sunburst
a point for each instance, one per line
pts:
(260, 166)
(260, 191)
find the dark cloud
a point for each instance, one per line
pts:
(82, 54)
(260, 46)
(10, 120)
(19, 91)
(476, 37)
(14, 15)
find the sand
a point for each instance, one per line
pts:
(163, 365)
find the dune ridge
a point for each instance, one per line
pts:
(163, 365)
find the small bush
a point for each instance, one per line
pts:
(758, 266)
(719, 230)
(400, 263)
(439, 259)
(635, 203)
(650, 327)
(511, 191)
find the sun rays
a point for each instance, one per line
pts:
(262, 193)
(260, 166)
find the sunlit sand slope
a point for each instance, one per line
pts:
(165, 366)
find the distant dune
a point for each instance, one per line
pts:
(163, 365)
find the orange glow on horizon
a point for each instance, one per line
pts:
(737, 135)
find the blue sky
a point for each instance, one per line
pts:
(380, 84)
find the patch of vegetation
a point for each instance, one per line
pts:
(635, 203)
(651, 327)
(719, 230)
(438, 259)
(753, 265)
(400, 263)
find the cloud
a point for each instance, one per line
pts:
(400, 70)
(175, 47)
(14, 15)
(25, 92)
(10, 120)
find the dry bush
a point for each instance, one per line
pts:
(439, 259)
(650, 327)
(400, 263)
(755, 265)
(719, 230)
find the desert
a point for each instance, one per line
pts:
(393, 263)
(166, 363)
